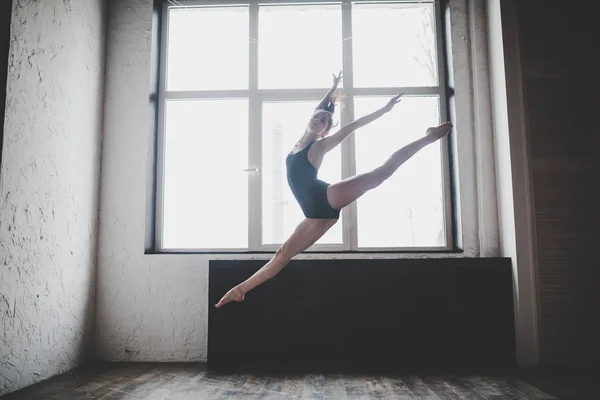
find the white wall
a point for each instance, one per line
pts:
(473, 139)
(49, 186)
(154, 307)
(513, 188)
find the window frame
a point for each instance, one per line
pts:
(257, 96)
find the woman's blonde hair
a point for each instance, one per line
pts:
(330, 108)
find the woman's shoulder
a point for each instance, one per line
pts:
(299, 147)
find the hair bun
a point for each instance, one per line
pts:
(330, 107)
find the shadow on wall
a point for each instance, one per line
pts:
(5, 13)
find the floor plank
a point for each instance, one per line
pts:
(376, 387)
(356, 389)
(527, 390)
(461, 389)
(314, 386)
(398, 387)
(251, 389)
(334, 388)
(419, 388)
(178, 381)
(293, 385)
(484, 388)
(441, 388)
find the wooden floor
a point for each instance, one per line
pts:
(193, 381)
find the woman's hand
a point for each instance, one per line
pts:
(337, 79)
(235, 294)
(393, 101)
(330, 96)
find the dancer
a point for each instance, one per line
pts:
(321, 202)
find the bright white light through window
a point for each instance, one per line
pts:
(394, 45)
(299, 46)
(407, 210)
(239, 86)
(208, 48)
(205, 185)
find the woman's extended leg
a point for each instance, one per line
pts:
(305, 235)
(342, 193)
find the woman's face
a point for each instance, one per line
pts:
(318, 123)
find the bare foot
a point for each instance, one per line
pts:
(439, 132)
(235, 294)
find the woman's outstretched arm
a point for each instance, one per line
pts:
(330, 142)
(328, 97)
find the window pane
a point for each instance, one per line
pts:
(208, 48)
(407, 210)
(299, 46)
(206, 152)
(398, 50)
(283, 126)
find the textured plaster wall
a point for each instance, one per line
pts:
(49, 188)
(155, 307)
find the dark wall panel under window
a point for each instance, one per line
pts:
(365, 315)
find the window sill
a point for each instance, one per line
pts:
(313, 252)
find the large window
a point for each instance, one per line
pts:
(239, 81)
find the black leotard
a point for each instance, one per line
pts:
(310, 192)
